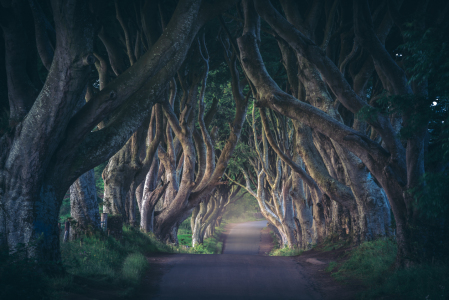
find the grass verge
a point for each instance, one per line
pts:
(96, 262)
(211, 245)
(372, 264)
(278, 250)
(286, 252)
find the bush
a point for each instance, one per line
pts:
(373, 264)
(105, 262)
(286, 252)
(185, 239)
(429, 282)
(211, 245)
(134, 266)
(369, 262)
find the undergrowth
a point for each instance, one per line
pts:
(282, 251)
(372, 263)
(211, 245)
(286, 252)
(369, 262)
(96, 261)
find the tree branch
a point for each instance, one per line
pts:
(363, 29)
(333, 77)
(125, 28)
(41, 26)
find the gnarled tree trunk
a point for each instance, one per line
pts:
(83, 202)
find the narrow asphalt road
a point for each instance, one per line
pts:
(238, 274)
(244, 238)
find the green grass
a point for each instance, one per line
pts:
(185, 239)
(332, 265)
(372, 263)
(64, 211)
(108, 262)
(286, 252)
(98, 261)
(369, 262)
(211, 245)
(425, 281)
(185, 233)
(134, 267)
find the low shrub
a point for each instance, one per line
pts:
(373, 264)
(134, 267)
(369, 262)
(185, 239)
(105, 262)
(425, 281)
(282, 251)
(211, 245)
(286, 252)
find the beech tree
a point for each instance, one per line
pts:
(190, 190)
(208, 214)
(396, 163)
(48, 146)
(339, 127)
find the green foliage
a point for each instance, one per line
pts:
(185, 239)
(201, 249)
(104, 262)
(424, 53)
(64, 211)
(426, 61)
(99, 183)
(331, 266)
(282, 251)
(211, 245)
(373, 264)
(369, 262)
(184, 228)
(103, 258)
(426, 58)
(134, 267)
(185, 233)
(243, 210)
(286, 252)
(431, 198)
(424, 281)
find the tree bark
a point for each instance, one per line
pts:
(83, 202)
(51, 147)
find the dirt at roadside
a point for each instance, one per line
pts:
(315, 262)
(266, 242)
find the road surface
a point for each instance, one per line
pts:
(238, 274)
(244, 238)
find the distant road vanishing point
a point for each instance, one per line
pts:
(238, 274)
